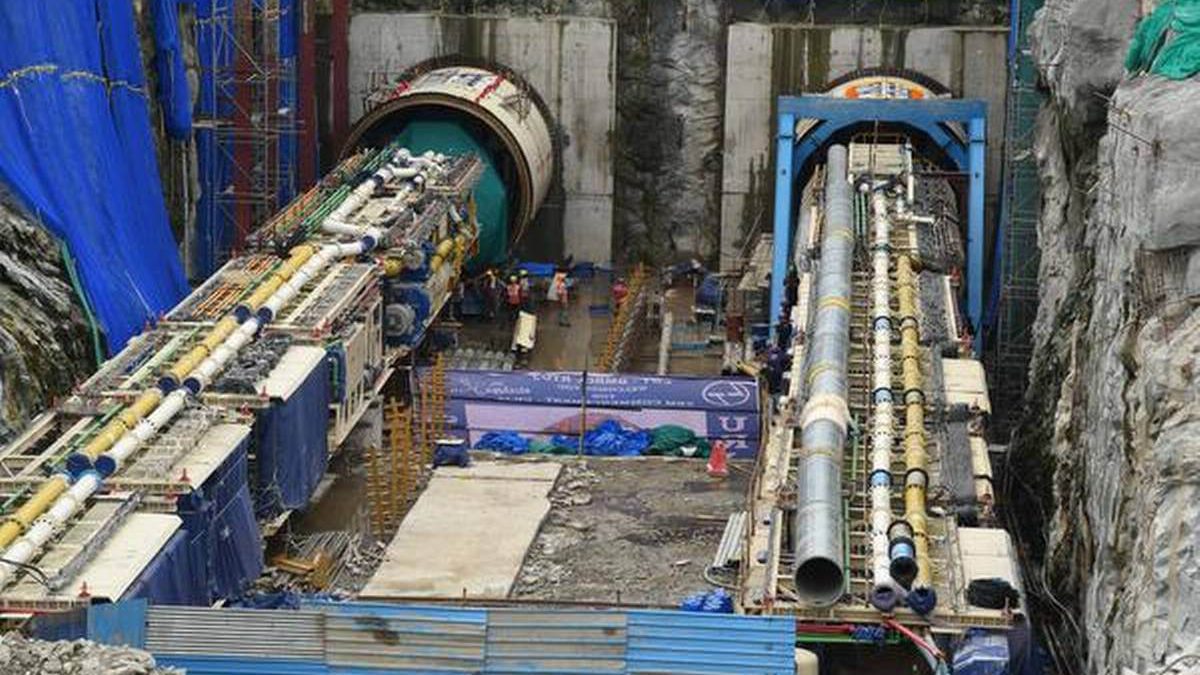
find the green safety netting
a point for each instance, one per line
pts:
(491, 198)
(1167, 42)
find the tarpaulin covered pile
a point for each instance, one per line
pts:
(608, 439)
(78, 152)
(1167, 42)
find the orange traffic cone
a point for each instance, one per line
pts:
(718, 461)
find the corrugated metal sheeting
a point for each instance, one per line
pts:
(404, 639)
(365, 638)
(286, 635)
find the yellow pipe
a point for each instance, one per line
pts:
(222, 330)
(102, 441)
(145, 403)
(31, 509)
(264, 292)
(916, 460)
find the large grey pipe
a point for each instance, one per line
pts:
(820, 553)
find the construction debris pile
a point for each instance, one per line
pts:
(22, 656)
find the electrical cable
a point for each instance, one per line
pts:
(33, 571)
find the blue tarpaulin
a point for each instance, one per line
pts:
(176, 576)
(219, 518)
(291, 444)
(608, 439)
(215, 48)
(982, 653)
(78, 152)
(173, 91)
(508, 442)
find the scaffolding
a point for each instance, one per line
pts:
(1016, 297)
(246, 121)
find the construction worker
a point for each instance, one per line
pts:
(512, 294)
(491, 294)
(620, 290)
(526, 296)
(561, 291)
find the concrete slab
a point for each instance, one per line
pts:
(468, 533)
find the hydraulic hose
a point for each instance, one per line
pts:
(820, 548)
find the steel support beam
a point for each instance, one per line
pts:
(927, 116)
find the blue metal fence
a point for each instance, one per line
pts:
(365, 638)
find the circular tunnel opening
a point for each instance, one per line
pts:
(458, 109)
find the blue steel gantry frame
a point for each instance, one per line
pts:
(927, 116)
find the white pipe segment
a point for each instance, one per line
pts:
(885, 593)
(24, 549)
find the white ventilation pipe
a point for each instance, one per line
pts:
(402, 166)
(885, 592)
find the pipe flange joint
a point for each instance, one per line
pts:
(105, 466)
(916, 477)
(167, 383)
(882, 395)
(828, 407)
(881, 478)
(77, 464)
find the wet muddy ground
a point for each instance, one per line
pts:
(630, 530)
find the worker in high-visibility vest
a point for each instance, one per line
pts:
(561, 291)
(512, 295)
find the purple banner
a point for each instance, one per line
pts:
(605, 390)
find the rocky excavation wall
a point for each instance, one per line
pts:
(1110, 446)
(45, 346)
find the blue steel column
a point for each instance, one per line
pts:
(977, 131)
(783, 213)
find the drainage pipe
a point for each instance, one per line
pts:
(820, 548)
(914, 526)
(55, 504)
(885, 593)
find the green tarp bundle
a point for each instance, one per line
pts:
(1167, 42)
(670, 439)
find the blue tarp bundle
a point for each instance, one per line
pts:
(219, 518)
(78, 152)
(176, 576)
(291, 446)
(608, 439)
(509, 442)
